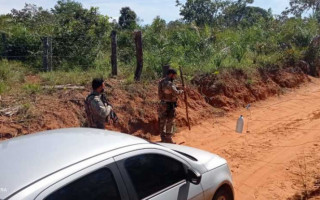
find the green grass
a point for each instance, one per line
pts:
(13, 77)
(32, 88)
(3, 87)
(11, 74)
(76, 77)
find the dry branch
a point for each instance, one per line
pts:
(63, 87)
(10, 111)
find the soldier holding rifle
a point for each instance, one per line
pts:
(168, 96)
(98, 109)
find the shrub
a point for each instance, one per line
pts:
(3, 87)
(31, 88)
(11, 74)
(75, 77)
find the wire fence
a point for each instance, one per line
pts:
(53, 53)
(77, 52)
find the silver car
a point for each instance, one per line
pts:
(90, 164)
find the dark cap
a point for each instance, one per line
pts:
(96, 83)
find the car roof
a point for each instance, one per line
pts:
(29, 158)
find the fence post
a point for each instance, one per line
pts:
(165, 69)
(4, 42)
(45, 57)
(139, 54)
(114, 63)
(50, 53)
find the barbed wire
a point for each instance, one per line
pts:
(41, 56)
(30, 56)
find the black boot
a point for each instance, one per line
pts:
(168, 139)
(163, 137)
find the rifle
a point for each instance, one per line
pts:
(107, 85)
(113, 116)
(185, 98)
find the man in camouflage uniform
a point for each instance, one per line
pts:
(97, 111)
(168, 95)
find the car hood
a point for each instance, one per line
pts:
(208, 160)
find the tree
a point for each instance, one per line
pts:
(201, 12)
(79, 32)
(127, 19)
(298, 7)
(35, 18)
(244, 15)
(156, 41)
(238, 11)
(29, 12)
(219, 12)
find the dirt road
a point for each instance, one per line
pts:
(278, 154)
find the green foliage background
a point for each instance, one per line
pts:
(228, 34)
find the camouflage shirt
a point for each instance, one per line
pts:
(97, 111)
(168, 91)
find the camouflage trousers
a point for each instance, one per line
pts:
(166, 121)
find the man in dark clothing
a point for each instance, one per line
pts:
(168, 96)
(97, 111)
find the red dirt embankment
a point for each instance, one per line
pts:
(230, 90)
(136, 103)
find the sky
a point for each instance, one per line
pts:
(146, 10)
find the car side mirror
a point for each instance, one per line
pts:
(193, 177)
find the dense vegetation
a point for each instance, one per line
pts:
(212, 35)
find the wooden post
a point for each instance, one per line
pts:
(165, 70)
(50, 54)
(4, 42)
(45, 57)
(185, 98)
(114, 63)
(139, 54)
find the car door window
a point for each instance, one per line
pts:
(151, 173)
(99, 185)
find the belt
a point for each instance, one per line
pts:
(168, 102)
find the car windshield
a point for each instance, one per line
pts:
(179, 152)
(186, 155)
